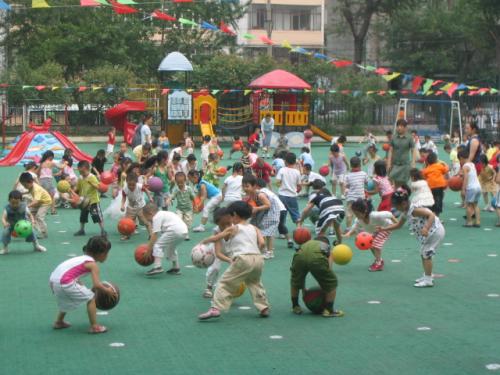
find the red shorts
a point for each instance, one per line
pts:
(385, 203)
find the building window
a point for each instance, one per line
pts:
(257, 17)
(286, 17)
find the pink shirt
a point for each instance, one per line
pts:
(384, 185)
(46, 172)
(71, 270)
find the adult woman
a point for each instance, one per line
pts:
(267, 128)
(473, 145)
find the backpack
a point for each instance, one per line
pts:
(136, 140)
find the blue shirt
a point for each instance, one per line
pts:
(278, 164)
(307, 159)
(13, 216)
(212, 191)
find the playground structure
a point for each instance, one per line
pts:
(205, 113)
(118, 117)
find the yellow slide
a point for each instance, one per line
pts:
(321, 133)
(207, 129)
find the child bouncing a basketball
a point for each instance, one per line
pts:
(70, 293)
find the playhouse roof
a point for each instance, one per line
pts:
(175, 62)
(279, 79)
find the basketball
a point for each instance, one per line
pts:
(364, 241)
(197, 204)
(23, 228)
(455, 183)
(106, 300)
(202, 256)
(220, 153)
(342, 254)
(126, 226)
(222, 171)
(155, 184)
(301, 235)
(370, 185)
(142, 255)
(103, 188)
(237, 147)
(324, 170)
(386, 147)
(240, 290)
(308, 134)
(75, 201)
(63, 186)
(107, 177)
(314, 299)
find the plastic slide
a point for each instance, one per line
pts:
(77, 153)
(207, 129)
(18, 150)
(321, 133)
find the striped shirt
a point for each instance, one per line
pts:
(355, 183)
(184, 198)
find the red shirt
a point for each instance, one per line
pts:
(493, 160)
(263, 171)
(111, 138)
(254, 137)
(238, 144)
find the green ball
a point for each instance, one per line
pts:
(23, 228)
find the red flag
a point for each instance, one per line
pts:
(122, 9)
(225, 28)
(382, 71)
(437, 82)
(417, 81)
(40, 88)
(162, 16)
(452, 89)
(266, 40)
(164, 91)
(82, 88)
(341, 63)
(182, 1)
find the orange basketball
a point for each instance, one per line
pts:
(222, 171)
(107, 177)
(75, 201)
(455, 183)
(197, 204)
(142, 255)
(301, 235)
(126, 226)
(252, 203)
(386, 147)
(236, 147)
(220, 153)
(103, 188)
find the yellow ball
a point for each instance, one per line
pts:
(342, 254)
(240, 290)
(63, 186)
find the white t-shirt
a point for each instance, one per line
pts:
(355, 183)
(185, 167)
(271, 197)
(135, 197)
(164, 221)
(245, 240)
(145, 134)
(233, 188)
(290, 179)
(177, 150)
(376, 219)
(205, 152)
(472, 180)
(315, 176)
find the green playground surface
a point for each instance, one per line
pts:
(390, 327)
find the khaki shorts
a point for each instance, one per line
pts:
(317, 264)
(135, 213)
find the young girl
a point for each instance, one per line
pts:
(426, 227)
(163, 141)
(246, 263)
(370, 159)
(471, 190)
(339, 165)
(110, 147)
(161, 171)
(115, 170)
(205, 191)
(487, 181)
(205, 151)
(231, 190)
(263, 170)
(46, 176)
(245, 159)
(422, 194)
(368, 220)
(213, 147)
(382, 186)
(67, 169)
(212, 173)
(189, 143)
(70, 293)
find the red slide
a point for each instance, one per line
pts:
(77, 153)
(18, 151)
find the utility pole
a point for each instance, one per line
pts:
(269, 26)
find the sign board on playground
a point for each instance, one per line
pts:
(179, 106)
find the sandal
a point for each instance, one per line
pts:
(61, 325)
(97, 329)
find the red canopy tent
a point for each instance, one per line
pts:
(117, 116)
(279, 79)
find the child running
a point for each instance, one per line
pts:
(184, 195)
(40, 203)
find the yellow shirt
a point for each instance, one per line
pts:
(491, 151)
(454, 156)
(87, 187)
(41, 195)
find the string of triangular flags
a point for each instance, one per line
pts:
(419, 85)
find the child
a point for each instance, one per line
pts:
(70, 292)
(179, 150)
(282, 143)
(416, 139)
(163, 141)
(421, 193)
(370, 159)
(355, 182)
(205, 191)
(188, 143)
(338, 164)
(110, 147)
(161, 171)
(471, 190)
(231, 190)
(263, 170)
(314, 256)
(87, 189)
(382, 186)
(212, 172)
(254, 138)
(168, 231)
(245, 158)
(368, 220)
(497, 198)
(214, 147)
(184, 195)
(426, 227)
(245, 243)
(14, 211)
(237, 145)
(278, 161)
(133, 194)
(306, 157)
(98, 162)
(205, 151)
(288, 180)
(32, 168)
(266, 214)
(40, 203)
(124, 151)
(46, 177)
(307, 178)
(454, 166)
(429, 144)
(455, 139)
(487, 182)
(435, 173)
(190, 164)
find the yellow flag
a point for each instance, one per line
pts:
(390, 77)
(307, 91)
(446, 87)
(430, 92)
(54, 88)
(151, 89)
(286, 44)
(246, 92)
(39, 4)
(95, 88)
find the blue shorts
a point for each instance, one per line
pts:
(472, 195)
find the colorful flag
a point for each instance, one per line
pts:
(162, 16)
(39, 4)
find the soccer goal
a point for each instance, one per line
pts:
(432, 117)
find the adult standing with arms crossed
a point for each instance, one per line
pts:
(146, 129)
(267, 128)
(402, 155)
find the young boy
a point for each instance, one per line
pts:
(454, 166)
(429, 144)
(110, 148)
(435, 173)
(184, 194)
(288, 179)
(14, 211)
(254, 138)
(237, 145)
(471, 190)
(40, 204)
(246, 263)
(307, 178)
(168, 232)
(86, 187)
(355, 182)
(205, 151)
(314, 256)
(190, 164)
(134, 193)
(124, 151)
(306, 157)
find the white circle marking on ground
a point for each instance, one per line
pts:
(424, 328)
(492, 255)
(275, 337)
(62, 231)
(396, 261)
(102, 313)
(493, 366)
(64, 243)
(453, 219)
(493, 295)
(244, 307)
(71, 255)
(487, 229)
(57, 222)
(374, 302)
(448, 244)
(454, 260)
(117, 344)
(189, 266)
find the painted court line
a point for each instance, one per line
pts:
(493, 366)
(64, 243)
(275, 337)
(448, 244)
(102, 313)
(492, 255)
(117, 344)
(396, 261)
(493, 295)
(189, 266)
(374, 302)
(244, 307)
(424, 328)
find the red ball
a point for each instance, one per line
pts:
(308, 133)
(197, 204)
(324, 170)
(386, 147)
(103, 188)
(455, 183)
(301, 235)
(126, 226)
(220, 153)
(364, 241)
(222, 171)
(107, 177)
(236, 147)
(142, 255)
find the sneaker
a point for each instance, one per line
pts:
(66, 205)
(376, 267)
(290, 244)
(420, 279)
(332, 314)
(281, 236)
(297, 310)
(330, 233)
(211, 313)
(4, 251)
(199, 228)
(426, 283)
(268, 255)
(264, 313)
(154, 271)
(80, 233)
(40, 248)
(174, 271)
(187, 238)
(208, 293)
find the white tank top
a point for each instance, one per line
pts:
(245, 240)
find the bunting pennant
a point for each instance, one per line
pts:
(4, 5)
(95, 88)
(452, 89)
(185, 21)
(126, 2)
(182, 1)
(286, 44)
(54, 88)
(382, 71)
(266, 40)
(89, 3)
(341, 63)
(225, 29)
(246, 92)
(390, 77)
(25, 87)
(122, 9)
(209, 26)
(162, 16)
(417, 81)
(320, 56)
(437, 82)
(165, 91)
(249, 36)
(39, 4)
(102, 2)
(82, 88)
(40, 88)
(427, 85)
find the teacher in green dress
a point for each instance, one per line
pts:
(402, 155)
